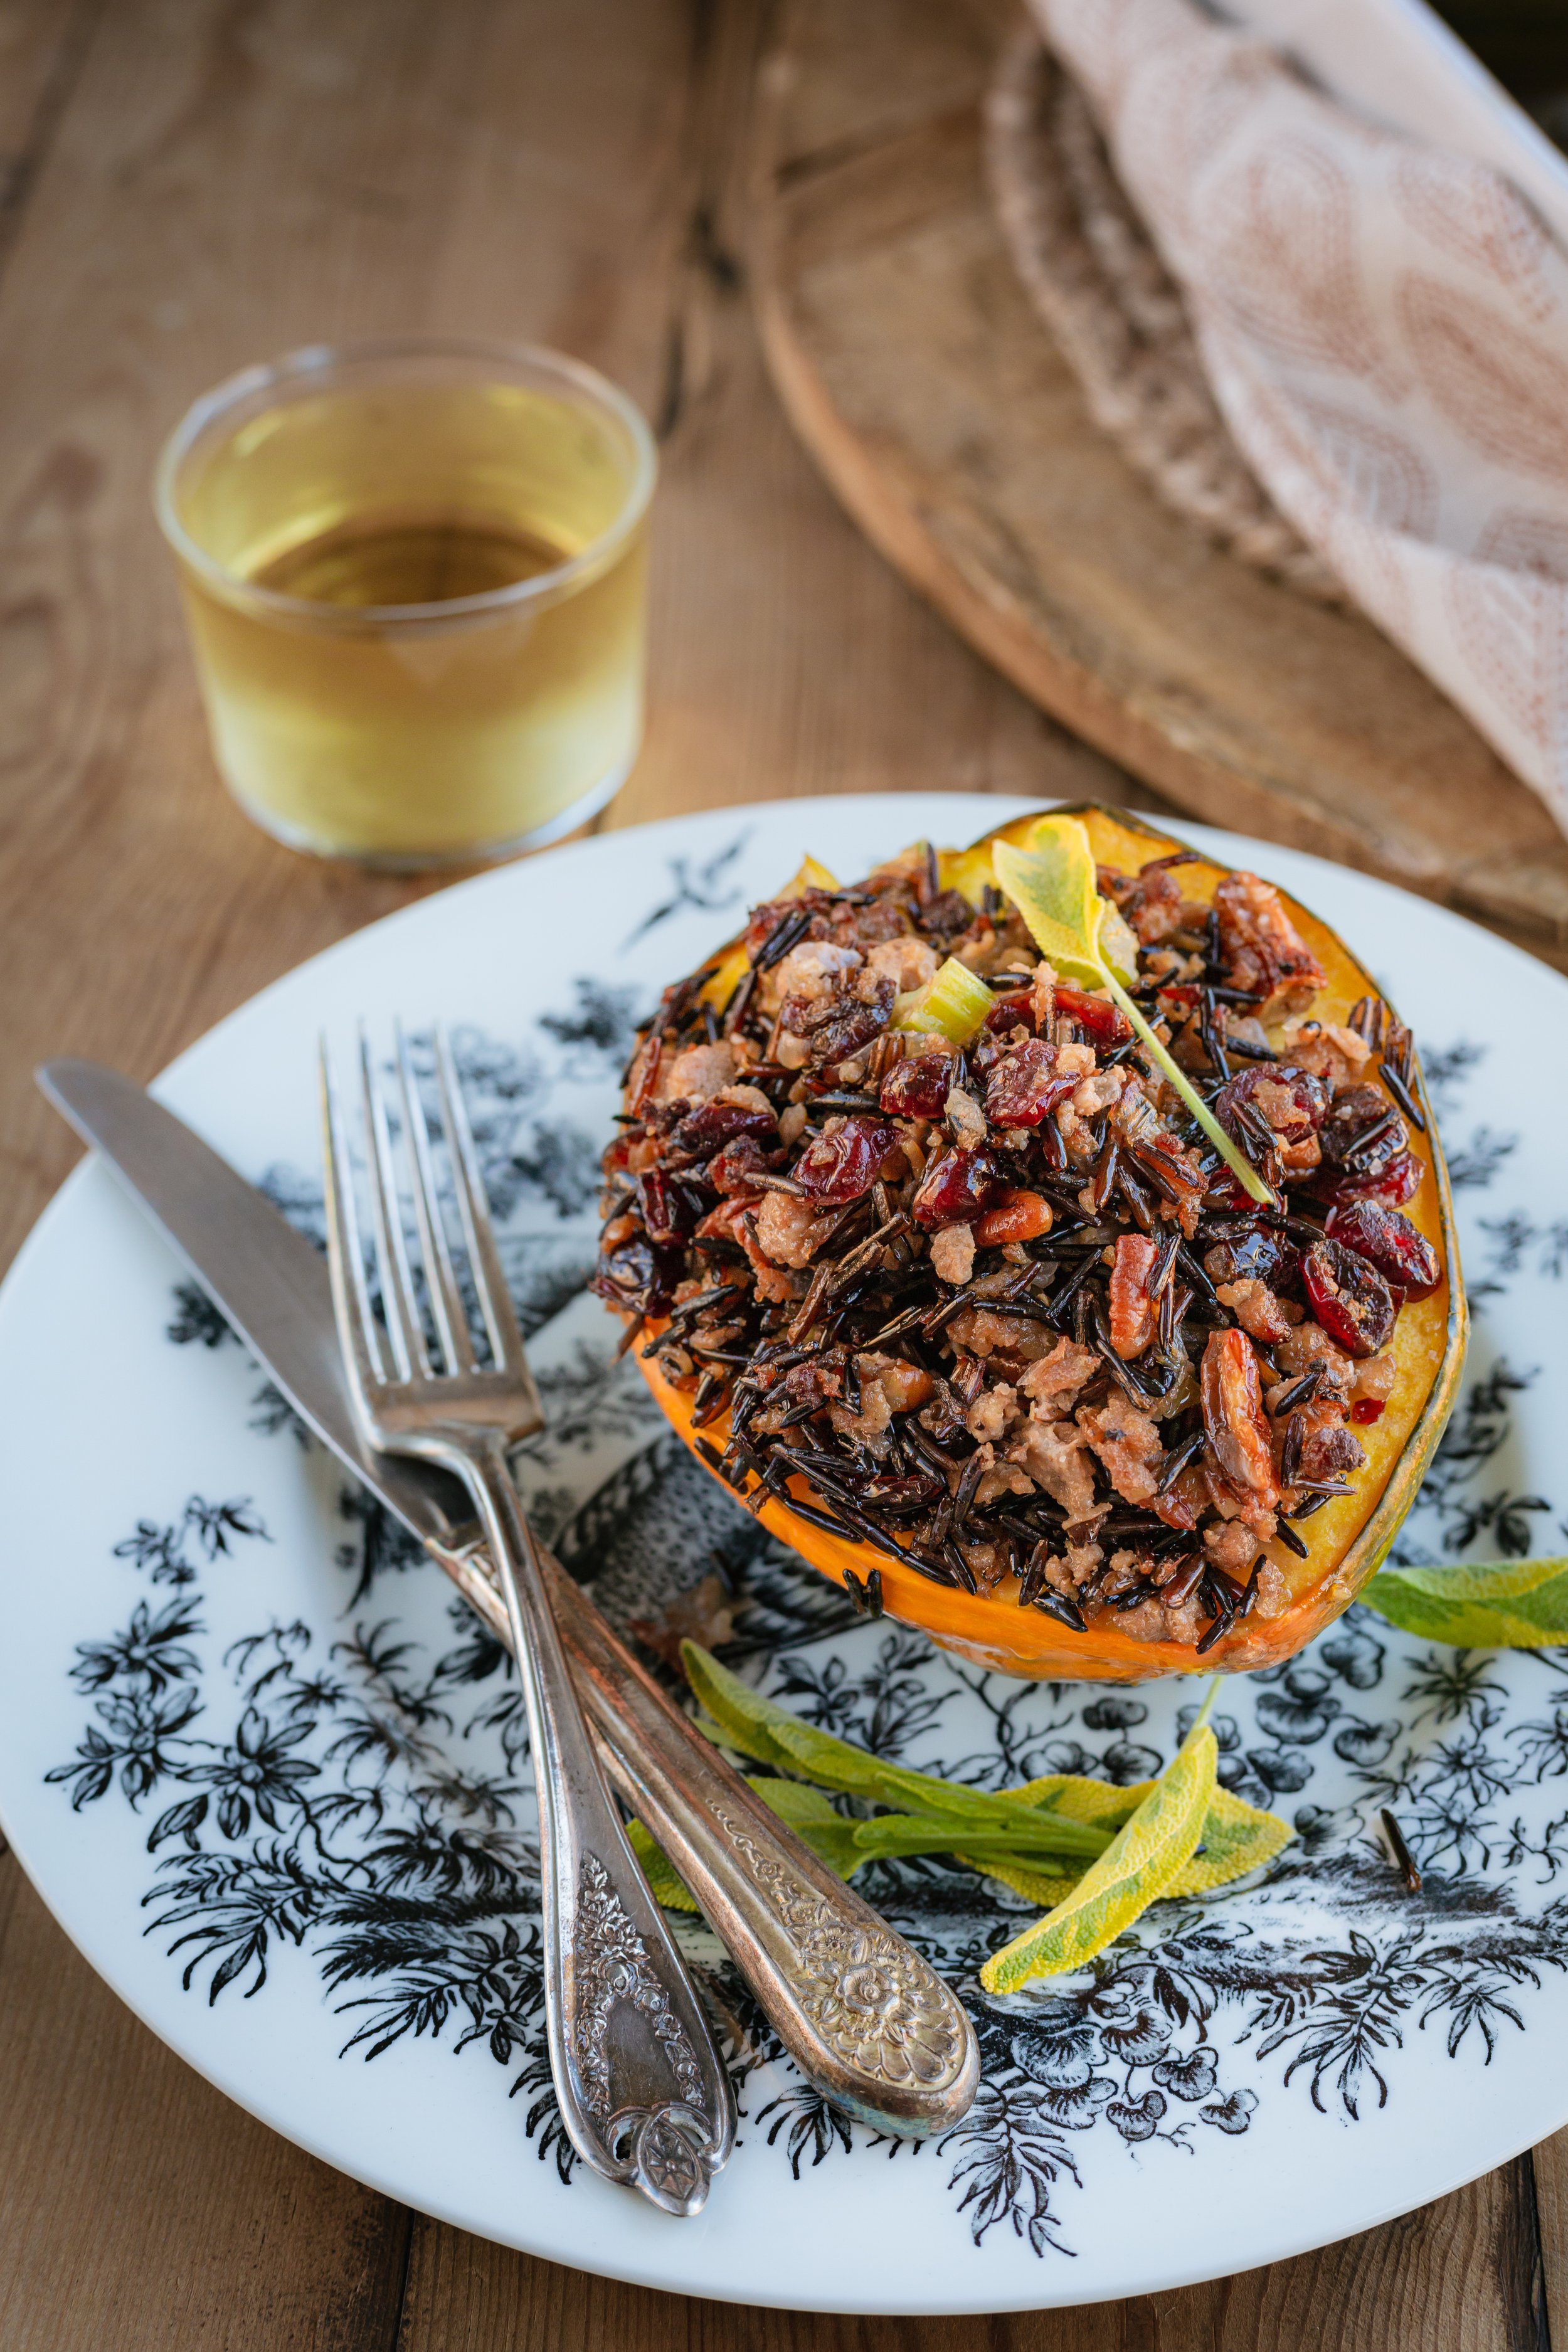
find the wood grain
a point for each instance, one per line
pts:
(1549, 2172)
(138, 2209)
(42, 45)
(1460, 2276)
(279, 173)
(784, 659)
(202, 183)
(941, 412)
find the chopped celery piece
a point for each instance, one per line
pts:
(953, 1002)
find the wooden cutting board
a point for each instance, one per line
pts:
(911, 364)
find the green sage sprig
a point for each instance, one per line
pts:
(743, 1720)
(1052, 883)
(1500, 1604)
(1045, 1840)
(1141, 1864)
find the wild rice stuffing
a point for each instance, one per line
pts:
(1001, 1308)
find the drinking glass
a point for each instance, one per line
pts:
(415, 578)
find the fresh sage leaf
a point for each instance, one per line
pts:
(1140, 1865)
(774, 1735)
(1013, 1835)
(904, 1834)
(1503, 1604)
(809, 1814)
(1238, 1837)
(1045, 1888)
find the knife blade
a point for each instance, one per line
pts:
(863, 2017)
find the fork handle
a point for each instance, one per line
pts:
(643, 2095)
(865, 2018)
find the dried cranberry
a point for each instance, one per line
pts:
(638, 1275)
(1400, 1180)
(867, 927)
(1387, 1240)
(810, 1383)
(1291, 1103)
(1097, 1016)
(1349, 1297)
(947, 912)
(1367, 1410)
(1311, 1093)
(1353, 1110)
(707, 1129)
(731, 1170)
(796, 1012)
(666, 1213)
(1225, 1194)
(1260, 1254)
(841, 1162)
(919, 1088)
(1025, 1085)
(956, 1188)
(1363, 1130)
(1150, 899)
(1009, 1010)
(841, 1024)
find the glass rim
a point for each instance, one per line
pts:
(295, 367)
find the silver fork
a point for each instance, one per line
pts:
(643, 2092)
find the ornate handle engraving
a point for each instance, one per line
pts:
(872, 1998)
(612, 1966)
(664, 2150)
(866, 2020)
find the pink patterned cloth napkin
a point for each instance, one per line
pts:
(1385, 327)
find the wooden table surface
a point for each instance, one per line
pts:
(186, 186)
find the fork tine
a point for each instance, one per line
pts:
(445, 1299)
(351, 1298)
(403, 1325)
(473, 1207)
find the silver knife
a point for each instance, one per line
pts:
(864, 2018)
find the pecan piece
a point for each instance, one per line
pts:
(1235, 1422)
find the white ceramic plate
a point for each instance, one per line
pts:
(298, 1845)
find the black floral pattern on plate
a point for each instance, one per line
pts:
(354, 1794)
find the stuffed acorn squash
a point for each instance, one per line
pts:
(1051, 1241)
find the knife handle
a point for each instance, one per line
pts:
(863, 2017)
